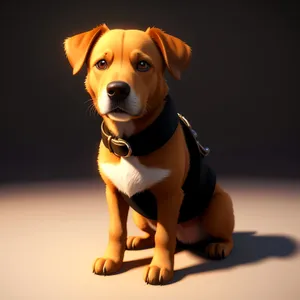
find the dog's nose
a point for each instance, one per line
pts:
(118, 90)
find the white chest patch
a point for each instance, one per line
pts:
(130, 176)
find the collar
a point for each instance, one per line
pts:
(148, 140)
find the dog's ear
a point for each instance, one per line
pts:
(175, 52)
(78, 46)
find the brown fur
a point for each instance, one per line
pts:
(164, 52)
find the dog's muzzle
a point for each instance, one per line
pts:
(118, 91)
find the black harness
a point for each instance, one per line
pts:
(200, 181)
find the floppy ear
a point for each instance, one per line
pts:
(78, 46)
(175, 52)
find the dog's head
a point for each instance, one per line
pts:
(125, 68)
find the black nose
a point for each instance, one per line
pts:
(118, 90)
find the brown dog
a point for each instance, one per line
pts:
(145, 156)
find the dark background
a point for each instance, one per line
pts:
(240, 92)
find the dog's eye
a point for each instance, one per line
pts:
(143, 66)
(101, 64)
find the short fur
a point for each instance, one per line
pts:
(163, 171)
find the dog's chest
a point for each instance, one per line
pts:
(131, 177)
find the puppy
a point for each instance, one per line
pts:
(149, 157)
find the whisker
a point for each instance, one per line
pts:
(88, 100)
(94, 110)
(88, 110)
(91, 108)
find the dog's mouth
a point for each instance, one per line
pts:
(119, 114)
(119, 111)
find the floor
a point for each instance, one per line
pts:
(51, 233)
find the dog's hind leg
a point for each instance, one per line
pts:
(218, 222)
(141, 242)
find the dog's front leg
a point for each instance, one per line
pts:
(161, 268)
(112, 259)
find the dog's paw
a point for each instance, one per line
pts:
(158, 276)
(218, 250)
(139, 243)
(106, 266)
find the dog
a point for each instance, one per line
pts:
(149, 157)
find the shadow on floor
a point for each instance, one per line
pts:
(249, 248)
